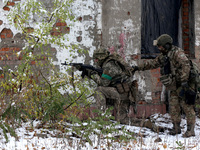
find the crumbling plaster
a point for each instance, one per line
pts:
(197, 29)
(111, 23)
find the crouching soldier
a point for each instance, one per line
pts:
(114, 84)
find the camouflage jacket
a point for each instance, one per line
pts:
(113, 72)
(179, 64)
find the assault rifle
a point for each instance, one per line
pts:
(84, 68)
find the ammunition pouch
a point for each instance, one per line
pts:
(123, 87)
(168, 81)
(190, 97)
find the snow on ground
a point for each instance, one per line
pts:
(38, 139)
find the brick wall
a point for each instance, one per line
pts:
(10, 44)
(185, 26)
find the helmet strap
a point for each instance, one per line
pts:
(168, 46)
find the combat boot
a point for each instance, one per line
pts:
(176, 129)
(190, 131)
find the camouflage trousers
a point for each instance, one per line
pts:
(197, 105)
(121, 103)
(175, 105)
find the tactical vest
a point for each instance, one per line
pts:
(121, 82)
(168, 71)
(121, 62)
(194, 75)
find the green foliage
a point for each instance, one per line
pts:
(7, 129)
(35, 89)
(102, 126)
(180, 145)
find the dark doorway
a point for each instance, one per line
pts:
(158, 17)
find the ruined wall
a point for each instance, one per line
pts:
(115, 24)
(197, 30)
(86, 32)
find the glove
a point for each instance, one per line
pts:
(185, 88)
(89, 72)
(134, 69)
(185, 85)
(78, 67)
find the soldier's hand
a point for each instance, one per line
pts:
(185, 85)
(90, 72)
(182, 93)
(134, 69)
(185, 88)
(78, 67)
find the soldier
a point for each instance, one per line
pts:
(114, 84)
(175, 75)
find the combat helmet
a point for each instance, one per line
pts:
(101, 54)
(163, 40)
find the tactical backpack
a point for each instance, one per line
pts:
(194, 75)
(121, 62)
(119, 82)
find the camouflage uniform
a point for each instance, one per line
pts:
(178, 73)
(114, 75)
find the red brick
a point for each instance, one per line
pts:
(14, 49)
(29, 29)
(9, 35)
(185, 9)
(58, 24)
(55, 33)
(6, 33)
(186, 30)
(3, 36)
(33, 62)
(185, 18)
(186, 5)
(4, 49)
(61, 24)
(186, 42)
(186, 13)
(10, 3)
(186, 21)
(6, 8)
(135, 57)
(186, 48)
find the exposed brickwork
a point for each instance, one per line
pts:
(146, 110)
(60, 27)
(8, 51)
(6, 8)
(6, 33)
(9, 3)
(185, 26)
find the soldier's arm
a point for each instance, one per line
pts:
(151, 64)
(110, 70)
(183, 65)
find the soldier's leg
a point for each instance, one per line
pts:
(191, 118)
(175, 113)
(104, 93)
(197, 105)
(122, 112)
(100, 98)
